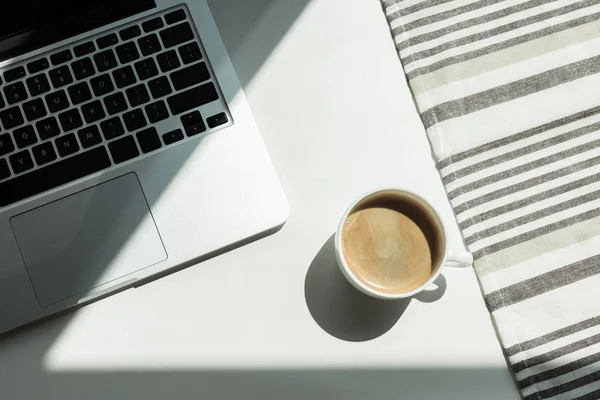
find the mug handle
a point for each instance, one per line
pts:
(459, 259)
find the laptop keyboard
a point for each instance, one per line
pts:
(103, 101)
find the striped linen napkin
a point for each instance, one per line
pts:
(509, 93)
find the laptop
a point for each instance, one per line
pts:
(127, 151)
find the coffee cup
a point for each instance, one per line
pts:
(392, 244)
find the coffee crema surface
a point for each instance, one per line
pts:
(392, 243)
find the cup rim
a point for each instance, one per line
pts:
(357, 282)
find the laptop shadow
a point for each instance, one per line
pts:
(23, 352)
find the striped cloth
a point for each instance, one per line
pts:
(509, 93)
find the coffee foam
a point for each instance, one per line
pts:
(392, 243)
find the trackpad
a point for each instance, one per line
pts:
(88, 239)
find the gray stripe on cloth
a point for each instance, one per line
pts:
(595, 395)
(537, 180)
(438, 17)
(510, 91)
(526, 252)
(529, 200)
(538, 285)
(544, 230)
(546, 212)
(496, 31)
(389, 3)
(516, 137)
(426, 37)
(546, 45)
(549, 337)
(502, 45)
(490, 162)
(564, 369)
(561, 155)
(574, 384)
(417, 7)
(551, 355)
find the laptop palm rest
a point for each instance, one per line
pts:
(88, 239)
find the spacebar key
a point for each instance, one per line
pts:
(54, 175)
(192, 98)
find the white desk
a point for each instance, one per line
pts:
(267, 321)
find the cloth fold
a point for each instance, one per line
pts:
(509, 94)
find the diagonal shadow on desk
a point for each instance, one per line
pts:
(23, 374)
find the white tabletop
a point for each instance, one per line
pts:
(274, 319)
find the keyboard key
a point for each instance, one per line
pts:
(159, 87)
(190, 52)
(83, 68)
(34, 109)
(149, 44)
(123, 149)
(193, 130)
(124, 76)
(6, 144)
(44, 153)
(14, 74)
(134, 120)
(47, 128)
(192, 98)
(105, 60)
(106, 41)
(190, 76)
(137, 95)
(127, 52)
(61, 57)
(1, 102)
(60, 76)
(38, 84)
(111, 128)
(11, 117)
(168, 60)
(4, 171)
(15, 92)
(148, 140)
(92, 111)
(191, 119)
(176, 34)
(70, 120)
(193, 123)
(115, 103)
(173, 136)
(79, 93)
(102, 85)
(156, 111)
(217, 120)
(21, 161)
(53, 175)
(37, 65)
(175, 16)
(130, 33)
(67, 145)
(89, 136)
(24, 136)
(84, 48)
(146, 68)
(57, 101)
(153, 24)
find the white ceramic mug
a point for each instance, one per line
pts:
(452, 258)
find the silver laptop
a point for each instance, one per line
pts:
(127, 150)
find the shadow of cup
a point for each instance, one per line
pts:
(341, 310)
(346, 313)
